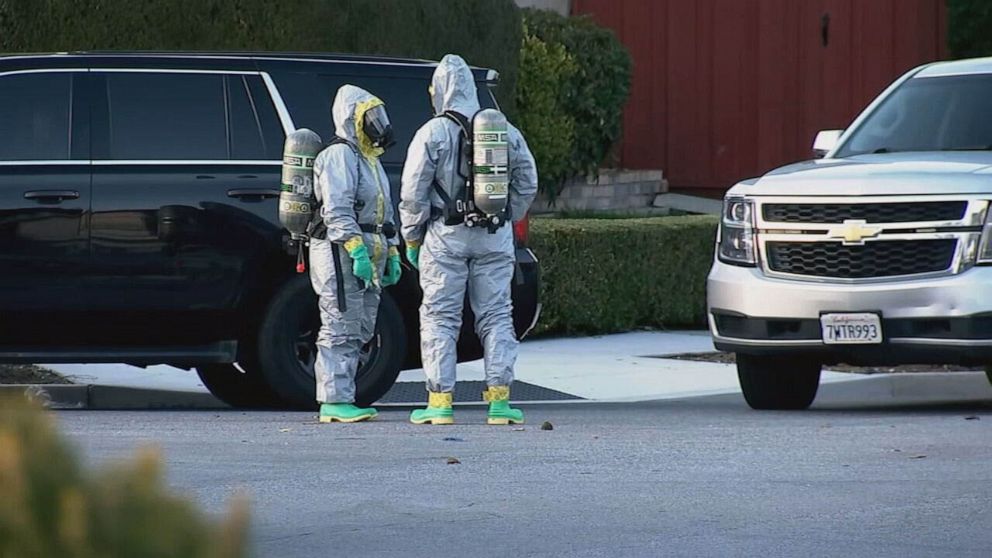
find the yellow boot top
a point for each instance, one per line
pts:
(439, 400)
(496, 393)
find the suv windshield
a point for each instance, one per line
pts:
(951, 113)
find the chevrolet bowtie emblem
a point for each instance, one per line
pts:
(854, 231)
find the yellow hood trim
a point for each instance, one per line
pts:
(364, 142)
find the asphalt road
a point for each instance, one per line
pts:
(702, 477)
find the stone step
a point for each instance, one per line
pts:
(610, 190)
(691, 204)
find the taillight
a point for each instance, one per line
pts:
(521, 230)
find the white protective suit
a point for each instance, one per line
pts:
(352, 188)
(455, 257)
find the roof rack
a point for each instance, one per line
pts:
(491, 75)
(330, 56)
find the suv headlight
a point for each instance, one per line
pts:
(737, 244)
(985, 246)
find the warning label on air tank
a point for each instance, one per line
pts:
(295, 183)
(294, 207)
(489, 157)
(303, 185)
(495, 186)
(298, 161)
(496, 189)
(491, 137)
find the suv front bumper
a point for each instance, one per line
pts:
(936, 320)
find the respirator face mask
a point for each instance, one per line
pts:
(377, 127)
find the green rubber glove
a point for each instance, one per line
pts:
(413, 253)
(393, 269)
(361, 263)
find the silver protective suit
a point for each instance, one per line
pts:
(455, 257)
(351, 188)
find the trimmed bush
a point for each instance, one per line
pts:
(49, 506)
(969, 22)
(545, 70)
(611, 275)
(485, 32)
(595, 94)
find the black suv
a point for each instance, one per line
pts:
(138, 216)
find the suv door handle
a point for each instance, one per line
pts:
(51, 196)
(253, 193)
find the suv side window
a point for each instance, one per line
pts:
(309, 98)
(409, 107)
(256, 132)
(407, 104)
(35, 111)
(268, 119)
(165, 116)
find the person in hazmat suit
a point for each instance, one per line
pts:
(453, 257)
(357, 256)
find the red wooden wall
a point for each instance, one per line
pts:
(728, 89)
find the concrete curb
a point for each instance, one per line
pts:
(85, 396)
(915, 388)
(909, 389)
(55, 396)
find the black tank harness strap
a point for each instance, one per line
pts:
(339, 277)
(459, 207)
(317, 229)
(455, 207)
(387, 229)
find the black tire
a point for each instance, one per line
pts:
(778, 383)
(241, 388)
(287, 350)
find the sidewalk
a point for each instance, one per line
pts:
(625, 367)
(121, 375)
(622, 367)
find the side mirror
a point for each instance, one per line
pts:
(825, 142)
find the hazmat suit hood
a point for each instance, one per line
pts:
(349, 108)
(453, 87)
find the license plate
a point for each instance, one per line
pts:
(851, 329)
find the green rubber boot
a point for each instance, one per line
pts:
(345, 412)
(438, 410)
(500, 411)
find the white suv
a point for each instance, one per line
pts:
(878, 253)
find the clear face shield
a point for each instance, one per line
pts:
(377, 127)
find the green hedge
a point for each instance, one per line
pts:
(611, 275)
(969, 28)
(545, 70)
(593, 95)
(485, 32)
